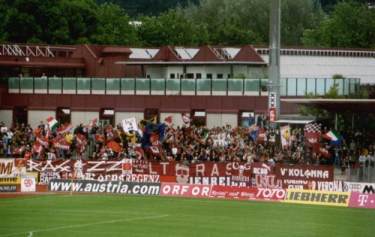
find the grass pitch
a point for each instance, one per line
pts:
(115, 215)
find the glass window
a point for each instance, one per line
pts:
(246, 118)
(219, 76)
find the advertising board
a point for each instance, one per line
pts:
(318, 197)
(185, 190)
(92, 186)
(365, 188)
(28, 184)
(360, 200)
(7, 188)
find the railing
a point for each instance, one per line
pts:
(146, 86)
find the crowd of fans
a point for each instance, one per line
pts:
(185, 143)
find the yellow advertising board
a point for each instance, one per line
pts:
(340, 199)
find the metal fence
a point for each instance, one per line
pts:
(357, 173)
(163, 86)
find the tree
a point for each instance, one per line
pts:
(247, 21)
(350, 25)
(113, 27)
(137, 8)
(170, 28)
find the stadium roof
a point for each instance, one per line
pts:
(338, 105)
(195, 55)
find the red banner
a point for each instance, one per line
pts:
(257, 175)
(246, 193)
(185, 190)
(303, 176)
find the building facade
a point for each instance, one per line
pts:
(216, 85)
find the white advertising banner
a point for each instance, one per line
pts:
(130, 124)
(28, 184)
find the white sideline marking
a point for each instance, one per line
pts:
(85, 225)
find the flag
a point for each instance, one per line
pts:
(168, 120)
(114, 146)
(52, 123)
(312, 133)
(333, 137)
(61, 143)
(285, 135)
(43, 141)
(64, 128)
(37, 148)
(81, 139)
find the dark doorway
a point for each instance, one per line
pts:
(20, 115)
(152, 115)
(199, 118)
(63, 115)
(107, 116)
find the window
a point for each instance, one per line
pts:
(246, 118)
(190, 75)
(199, 118)
(107, 116)
(220, 76)
(172, 76)
(209, 76)
(198, 75)
(63, 115)
(229, 76)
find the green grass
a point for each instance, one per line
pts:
(115, 215)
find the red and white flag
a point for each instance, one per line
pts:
(42, 141)
(312, 132)
(65, 128)
(61, 144)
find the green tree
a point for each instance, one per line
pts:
(113, 27)
(48, 21)
(170, 28)
(247, 21)
(351, 24)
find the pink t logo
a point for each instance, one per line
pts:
(362, 199)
